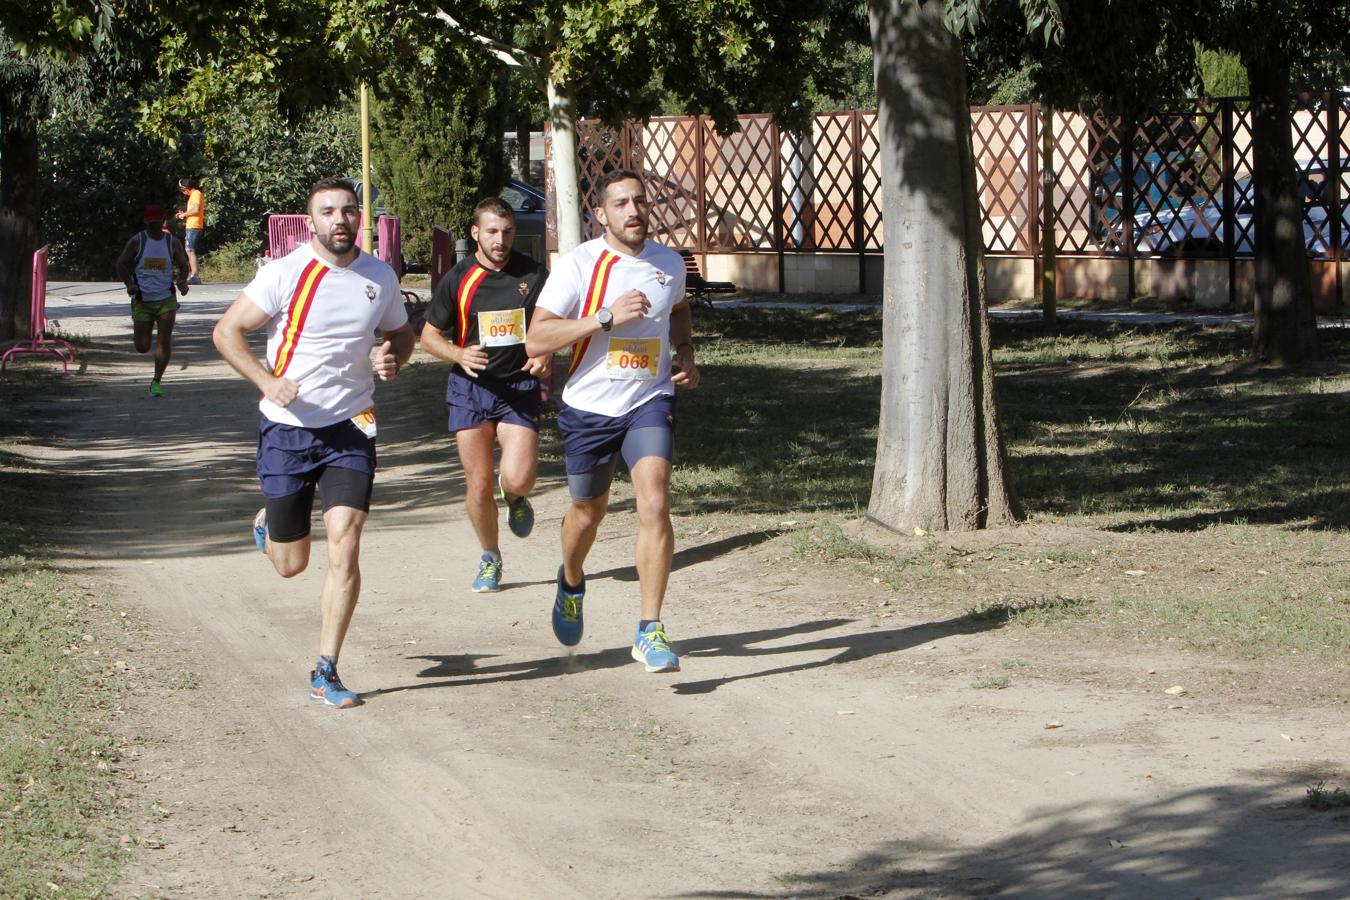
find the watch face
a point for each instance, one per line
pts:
(605, 317)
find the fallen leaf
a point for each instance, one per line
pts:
(1135, 572)
(919, 532)
(1286, 737)
(1115, 843)
(844, 712)
(1051, 725)
(1262, 572)
(1175, 690)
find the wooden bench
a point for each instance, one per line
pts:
(699, 288)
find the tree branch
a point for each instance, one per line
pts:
(512, 56)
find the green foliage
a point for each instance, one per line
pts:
(105, 170)
(103, 173)
(1222, 74)
(436, 154)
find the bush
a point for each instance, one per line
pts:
(235, 261)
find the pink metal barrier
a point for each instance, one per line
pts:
(389, 242)
(284, 232)
(442, 254)
(38, 342)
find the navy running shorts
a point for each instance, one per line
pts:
(339, 459)
(592, 443)
(473, 401)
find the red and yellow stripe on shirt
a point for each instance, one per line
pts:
(591, 303)
(467, 288)
(301, 303)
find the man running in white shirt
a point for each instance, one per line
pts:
(321, 305)
(619, 301)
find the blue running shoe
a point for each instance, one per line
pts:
(489, 575)
(519, 512)
(652, 648)
(260, 530)
(567, 618)
(329, 688)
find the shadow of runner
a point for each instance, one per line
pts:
(852, 647)
(1252, 840)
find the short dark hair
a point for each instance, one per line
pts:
(611, 177)
(188, 182)
(331, 184)
(495, 205)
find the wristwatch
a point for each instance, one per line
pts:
(605, 317)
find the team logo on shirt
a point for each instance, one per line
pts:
(370, 292)
(524, 289)
(660, 278)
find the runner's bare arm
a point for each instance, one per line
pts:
(472, 359)
(231, 339)
(125, 261)
(180, 265)
(394, 352)
(685, 371)
(549, 332)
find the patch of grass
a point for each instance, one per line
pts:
(992, 683)
(57, 809)
(1322, 800)
(59, 818)
(233, 262)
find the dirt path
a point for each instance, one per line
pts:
(816, 743)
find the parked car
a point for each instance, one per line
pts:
(1197, 226)
(530, 209)
(1158, 184)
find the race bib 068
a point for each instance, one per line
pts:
(633, 359)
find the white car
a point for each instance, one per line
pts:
(1197, 226)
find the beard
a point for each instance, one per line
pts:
(338, 245)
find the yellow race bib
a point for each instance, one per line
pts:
(501, 327)
(633, 359)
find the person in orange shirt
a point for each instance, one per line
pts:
(194, 220)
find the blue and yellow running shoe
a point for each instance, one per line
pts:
(329, 688)
(567, 617)
(519, 512)
(652, 648)
(489, 577)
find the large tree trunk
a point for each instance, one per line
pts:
(1286, 324)
(940, 459)
(562, 112)
(18, 200)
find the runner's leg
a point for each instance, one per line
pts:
(342, 581)
(141, 335)
(579, 528)
(520, 457)
(164, 346)
(656, 536)
(475, 455)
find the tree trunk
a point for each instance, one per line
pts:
(562, 112)
(18, 201)
(940, 459)
(1286, 323)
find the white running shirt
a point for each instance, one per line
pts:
(613, 372)
(322, 329)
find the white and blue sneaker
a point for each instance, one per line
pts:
(489, 577)
(651, 647)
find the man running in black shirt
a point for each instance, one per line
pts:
(477, 320)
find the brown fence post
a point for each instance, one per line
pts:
(1336, 218)
(1127, 201)
(1049, 285)
(777, 158)
(855, 132)
(1229, 223)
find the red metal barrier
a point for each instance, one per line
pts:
(38, 342)
(442, 254)
(284, 232)
(389, 246)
